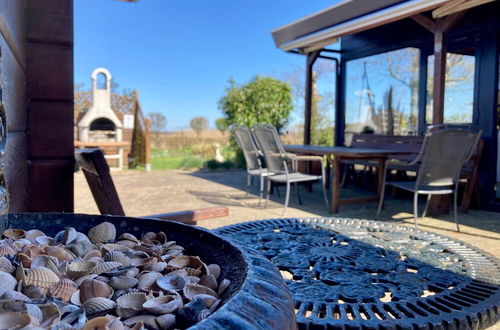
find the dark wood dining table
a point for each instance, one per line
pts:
(335, 155)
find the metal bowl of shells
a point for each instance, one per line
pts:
(74, 271)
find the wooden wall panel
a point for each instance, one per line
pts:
(56, 139)
(50, 20)
(53, 190)
(50, 69)
(49, 66)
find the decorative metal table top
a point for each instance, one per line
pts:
(370, 274)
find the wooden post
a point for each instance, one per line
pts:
(311, 58)
(148, 144)
(439, 72)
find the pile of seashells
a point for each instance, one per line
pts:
(98, 281)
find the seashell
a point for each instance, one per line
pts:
(203, 314)
(119, 293)
(92, 253)
(102, 233)
(147, 280)
(14, 320)
(20, 243)
(209, 281)
(60, 253)
(45, 240)
(171, 282)
(132, 272)
(32, 234)
(106, 267)
(41, 277)
(147, 320)
(180, 272)
(102, 279)
(123, 282)
(14, 295)
(117, 256)
(32, 250)
(148, 236)
(24, 259)
(7, 250)
(166, 321)
(163, 304)
(223, 285)
(193, 265)
(63, 290)
(92, 288)
(159, 266)
(6, 265)
(192, 279)
(143, 263)
(191, 290)
(128, 237)
(130, 304)
(80, 280)
(34, 292)
(80, 248)
(97, 260)
(75, 298)
(207, 299)
(69, 235)
(105, 248)
(42, 261)
(98, 305)
(215, 305)
(107, 322)
(127, 243)
(51, 315)
(214, 270)
(120, 271)
(136, 254)
(13, 233)
(80, 268)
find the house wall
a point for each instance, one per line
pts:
(50, 105)
(36, 63)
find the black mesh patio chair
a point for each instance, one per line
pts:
(277, 161)
(446, 148)
(252, 155)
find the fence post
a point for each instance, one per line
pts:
(148, 144)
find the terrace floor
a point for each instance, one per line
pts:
(155, 192)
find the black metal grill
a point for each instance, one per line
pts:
(347, 273)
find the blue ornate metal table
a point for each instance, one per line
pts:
(360, 274)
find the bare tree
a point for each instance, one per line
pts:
(158, 125)
(199, 124)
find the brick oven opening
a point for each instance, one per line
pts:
(102, 130)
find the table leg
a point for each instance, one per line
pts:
(336, 185)
(380, 176)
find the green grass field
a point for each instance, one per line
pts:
(175, 162)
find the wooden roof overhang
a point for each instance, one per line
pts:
(348, 17)
(311, 34)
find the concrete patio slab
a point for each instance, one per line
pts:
(144, 193)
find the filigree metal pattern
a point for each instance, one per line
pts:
(360, 273)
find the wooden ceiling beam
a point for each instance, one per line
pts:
(457, 6)
(425, 22)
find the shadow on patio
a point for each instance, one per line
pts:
(479, 228)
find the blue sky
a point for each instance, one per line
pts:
(180, 54)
